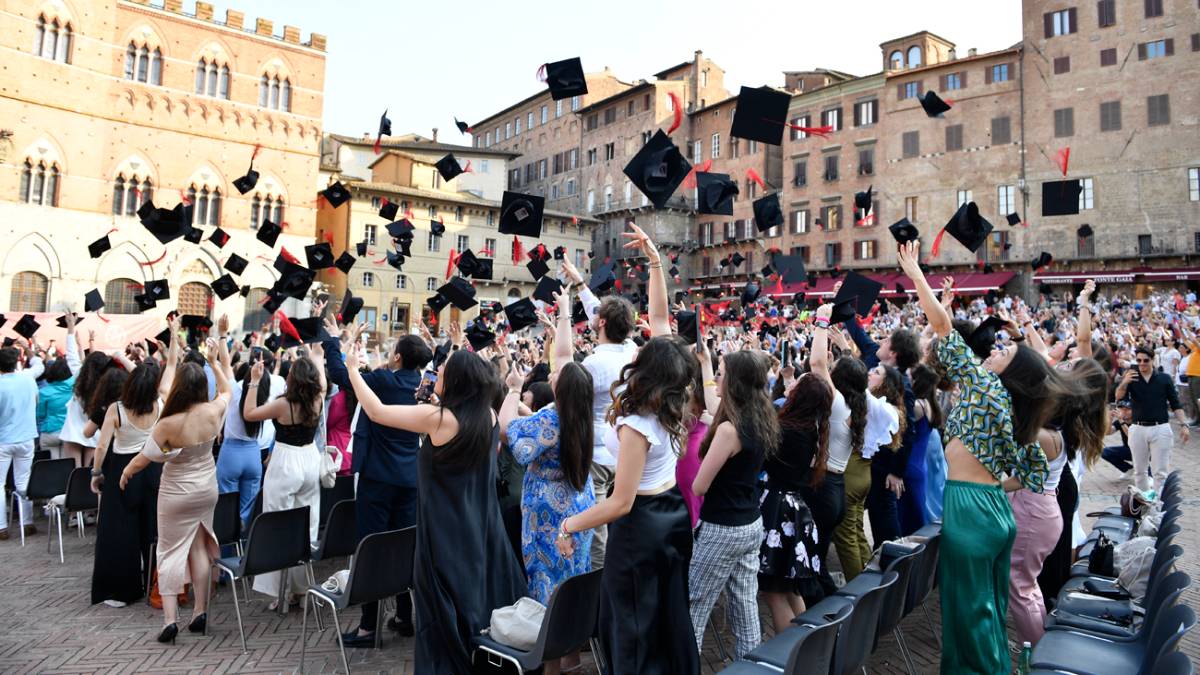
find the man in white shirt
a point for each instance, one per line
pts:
(611, 321)
(1169, 358)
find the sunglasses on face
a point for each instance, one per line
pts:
(1142, 360)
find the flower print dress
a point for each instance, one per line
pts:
(788, 559)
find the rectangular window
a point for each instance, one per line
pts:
(371, 233)
(368, 279)
(697, 151)
(557, 109)
(1194, 184)
(954, 137)
(610, 151)
(1110, 116)
(545, 114)
(832, 118)
(1158, 110)
(517, 126)
(1086, 194)
(953, 81)
(1108, 57)
(705, 266)
(1001, 131)
(833, 253)
(866, 162)
(733, 148)
(800, 221)
(716, 146)
(1059, 23)
(864, 249)
(630, 109)
(464, 242)
(1154, 8)
(910, 209)
(591, 156)
(803, 252)
(1062, 64)
(831, 167)
(507, 130)
(1145, 244)
(911, 144)
(962, 197)
(488, 140)
(646, 102)
(1156, 49)
(998, 73)
(570, 186)
(574, 103)
(1064, 122)
(529, 121)
(910, 90)
(1006, 199)
(831, 217)
(610, 115)
(433, 243)
(1106, 11)
(489, 248)
(554, 191)
(803, 121)
(865, 113)
(800, 174)
(752, 147)
(593, 122)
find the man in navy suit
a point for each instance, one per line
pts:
(385, 460)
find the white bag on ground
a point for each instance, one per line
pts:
(1132, 560)
(517, 625)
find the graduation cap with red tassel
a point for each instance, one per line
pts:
(287, 328)
(463, 128)
(451, 262)
(286, 255)
(823, 131)
(689, 182)
(385, 129)
(518, 251)
(751, 174)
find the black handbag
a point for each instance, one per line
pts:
(1101, 561)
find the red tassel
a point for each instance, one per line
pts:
(518, 250)
(678, 105)
(283, 225)
(287, 328)
(753, 175)
(618, 286)
(541, 73)
(329, 237)
(114, 229)
(385, 202)
(574, 220)
(156, 260)
(254, 155)
(378, 144)
(689, 183)
(101, 317)
(467, 168)
(380, 261)
(450, 263)
(937, 243)
(1062, 158)
(779, 285)
(211, 303)
(288, 256)
(823, 132)
(184, 198)
(948, 101)
(409, 214)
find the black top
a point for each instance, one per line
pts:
(1153, 399)
(790, 469)
(294, 434)
(733, 497)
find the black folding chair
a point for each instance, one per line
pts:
(569, 622)
(1100, 655)
(341, 534)
(227, 526)
(48, 478)
(382, 567)
(77, 499)
(895, 602)
(278, 541)
(343, 489)
(924, 577)
(809, 648)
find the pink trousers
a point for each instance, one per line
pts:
(1039, 523)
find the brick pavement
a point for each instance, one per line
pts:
(47, 625)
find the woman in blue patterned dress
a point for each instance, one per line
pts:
(555, 444)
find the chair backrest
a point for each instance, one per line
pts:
(814, 653)
(1165, 556)
(79, 496)
(1169, 628)
(855, 648)
(49, 477)
(383, 566)
(570, 617)
(227, 518)
(341, 534)
(343, 489)
(1166, 590)
(1173, 663)
(924, 574)
(278, 540)
(896, 598)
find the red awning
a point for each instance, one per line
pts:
(963, 284)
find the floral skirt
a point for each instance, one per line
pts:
(788, 559)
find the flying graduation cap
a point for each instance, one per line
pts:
(385, 129)
(459, 292)
(967, 226)
(760, 115)
(715, 193)
(862, 289)
(904, 231)
(320, 256)
(246, 183)
(268, 233)
(933, 104)
(98, 247)
(521, 214)
(564, 78)
(767, 212)
(1061, 198)
(449, 167)
(336, 194)
(521, 314)
(219, 237)
(658, 169)
(345, 262)
(389, 210)
(463, 127)
(92, 302)
(350, 308)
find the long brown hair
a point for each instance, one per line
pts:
(304, 392)
(189, 388)
(469, 384)
(1035, 390)
(807, 410)
(925, 386)
(849, 377)
(573, 394)
(658, 383)
(891, 388)
(1085, 410)
(745, 403)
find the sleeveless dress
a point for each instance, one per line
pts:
(464, 565)
(912, 502)
(187, 495)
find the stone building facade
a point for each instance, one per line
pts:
(111, 102)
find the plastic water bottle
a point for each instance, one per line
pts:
(1025, 664)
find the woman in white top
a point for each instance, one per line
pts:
(127, 518)
(76, 443)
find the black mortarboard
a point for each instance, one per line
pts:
(459, 292)
(246, 183)
(479, 336)
(448, 167)
(166, 225)
(1013, 219)
(603, 278)
(268, 233)
(194, 236)
(310, 330)
(1084, 230)
(437, 303)
(320, 256)
(521, 314)
(295, 280)
(565, 79)
(715, 193)
(760, 115)
(361, 248)
(26, 326)
(767, 212)
(1061, 197)
(484, 271)
(350, 308)
(862, 200)
(843, 310)
(273, 301)
(904, 231)
(219, 237)
(791, 269)
(539, 252)
(1042, 260)
(245, 292)
(92, 302)
(345, 262)
(968, 227)
(389, 210)
(406, 247)
(225, 286)
(537, 268)
(336, 194)
(164, 336)
(62, 320)
(395, 260)
(737, 259)
(158, 289)
(271, 344)
(385, 126)
(983, 339)
(398, 229)
(799, 298)
(990, 297)
(439, 228)
(236, 264)
(144, 301)
(658, 168)
(560, 252)
(521, 214)
(197, 326)
(766, 271)
(98, 247)
(864, 289)
(547, 286)
(643, 276)
(463, 127)
(933, 104)
(578, 313)
(468, 263)
(440, 355)
(750, 293)
(686, 324)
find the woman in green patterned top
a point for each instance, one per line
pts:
(992, 433)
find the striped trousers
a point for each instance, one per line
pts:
(727, 557)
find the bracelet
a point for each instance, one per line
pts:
(97, 474)
(657, 265)
(821, 322)
(251, 386)
(562, 530)
(710, 383)
(515, 391)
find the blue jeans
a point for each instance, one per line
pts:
(239, 468)
(1119, 456)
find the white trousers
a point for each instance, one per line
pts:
(293, 479)
(1151, 447)
(20, 456)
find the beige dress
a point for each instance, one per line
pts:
(187, 496)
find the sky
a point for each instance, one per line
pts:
(427, 62)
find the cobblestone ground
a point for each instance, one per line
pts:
(47, 625)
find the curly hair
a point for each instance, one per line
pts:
(807, 411)
(891, 388)
(744, 402)
(658, 383)
(849, 377)
(89, 375)
(303, 391)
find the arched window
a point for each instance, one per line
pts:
(897, 60)
(143, 67)
(39, 183)
(194, 299)
(129, 193)
(277, 214)
(914, 56)
(156, 66)
(274, 102)
(201, 69)
(255, 212)
(206, 205)
(29, 291)
(264, 87)
(223, 92)
(118, 296)
(286, 104)
(254, 317)
(52, 40)
(130, 60)
(275, 93)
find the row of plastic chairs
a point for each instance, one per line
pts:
(838, 634)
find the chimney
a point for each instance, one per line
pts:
(953, 55)
(971, 52)
(435, 134)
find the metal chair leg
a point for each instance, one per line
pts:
(208, 594)
(238, 610)
(937, 635)
(284, 584)
(899, 635)
(312, 582)
(245, 586)
(58, 518)
(720, 643)
(50, 528)
(597, 654)
(337, 624)
(79, 524)
(304, 633)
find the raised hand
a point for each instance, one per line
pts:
(908, 256)
(641, 241)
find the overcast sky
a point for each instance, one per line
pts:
(430, 61)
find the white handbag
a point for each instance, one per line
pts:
(517, 625)
(331, 461)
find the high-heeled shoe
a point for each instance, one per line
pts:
(199, 622)
(168, 633)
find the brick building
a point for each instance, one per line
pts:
(125, 102)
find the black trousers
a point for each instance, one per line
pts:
(1056, 570)
(827, 502)
(381, 507)
(128, 524)
(881, 502)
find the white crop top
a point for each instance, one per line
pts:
(660, 460)
(1056, 467)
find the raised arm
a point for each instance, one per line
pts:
(420, 418)
(218, 360)
(333, 357)
(935, 313)
(656, 289)
(73, 362)
(1083, 327)
(586, 296)
(1033, 337)
(563, 345)
(510, 409)
(172, 359)
(712, 396)
(818, 358)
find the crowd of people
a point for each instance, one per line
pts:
(686, 462)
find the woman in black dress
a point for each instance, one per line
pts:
(464, 564)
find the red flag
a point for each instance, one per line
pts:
(678, 109)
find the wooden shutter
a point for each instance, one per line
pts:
(1170, 46)
(1048, 24)
(1071, 17)
(900, 92)
(987, 74)
(841, 118)
(875, 102)
(962, 79)
(920, 87)
(857, 117)
(1141, 51)
(1011, 70)
(941, 83)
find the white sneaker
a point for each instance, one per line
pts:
(1127, 474)
(114, 603)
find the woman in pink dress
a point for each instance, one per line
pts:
(337, 426)
(704, 403)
